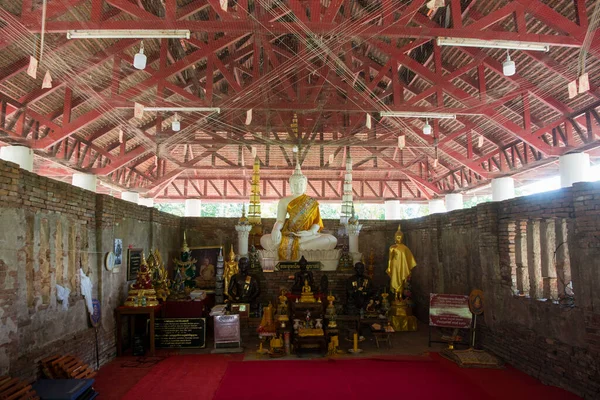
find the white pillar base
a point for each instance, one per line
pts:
(454, 201)
(436, 206)
(145, 201)
(353, 232)
(574, 167)
(193, 207)
(130, 196)
(392, 209)
(21, 155)
(85, 181)
(503, 189)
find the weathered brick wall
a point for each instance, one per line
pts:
(476, 248)
(48, 229)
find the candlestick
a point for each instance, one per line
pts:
(355, 348)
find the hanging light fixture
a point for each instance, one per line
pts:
(508, 66)
(426, 128)
(139, 60)
(176, 125)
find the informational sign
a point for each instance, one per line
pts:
(134, 261)
(449, 311)
(180, 332)
(294, 265)
(227, 328)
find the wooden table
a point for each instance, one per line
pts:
(131, 312)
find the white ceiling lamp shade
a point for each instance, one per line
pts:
(508, 66)
(492, 44)
(415, 114)
(139, 60)
(129, 34)
(176, 124)
(426, 128)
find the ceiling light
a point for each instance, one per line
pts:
(184, 109)
(176, 125)
(492, 44)
(508, 66)
(139, 60)
(128, 33)
(426, 128)
(415, 114)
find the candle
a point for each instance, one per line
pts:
(355, 342)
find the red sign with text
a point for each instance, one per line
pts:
(449, 311)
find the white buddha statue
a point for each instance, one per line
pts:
(301, 230)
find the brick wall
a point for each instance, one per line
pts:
(49, 229)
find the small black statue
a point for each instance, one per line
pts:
(301, 276)
(243, 287)
(359, 290)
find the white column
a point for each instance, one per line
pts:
(503, 188)
(193, 207)
(353, 232)
(146, 201)
(130, 196)
(454, 201)
(437, 206)
(243, 231)
(392, 209)
(21, 155)
(85, 181)
(574, 167)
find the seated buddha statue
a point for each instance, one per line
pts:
(301, 276)
(301, 230)
(307, 295)
(243, 288)
(400, 264)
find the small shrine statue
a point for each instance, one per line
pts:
(307, 295)
(282, 309)
(301, 231)
(330, 312)
(186, 264)
(359, 290)
(159, 275)
(231, 268)
(301, 277)
(141, 292)
(254, 259)
(400, 264)
(243, 288)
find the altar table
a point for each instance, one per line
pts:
(131, 312)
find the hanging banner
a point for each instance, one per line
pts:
(47, 82)
(449, 311)
(223, 4)
(368, 122)
(572, 89)
(32, 68)
(584, 83)
(480, 141)
(401, 142)
(138, 110)
(248, 117)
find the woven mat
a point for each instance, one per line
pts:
(473, 358)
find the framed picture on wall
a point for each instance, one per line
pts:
(134, 261)
(118, 252)
(206, 265)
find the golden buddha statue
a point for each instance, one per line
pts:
(400, 264)
(231, 268)
(307, 295)
(160, 281)
(267, 324)
(282, 309)
(330, 311)
(141, 292)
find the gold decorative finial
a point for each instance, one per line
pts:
(231, 254)
(184, 246)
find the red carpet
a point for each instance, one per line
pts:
(183, 377)
(224, 377)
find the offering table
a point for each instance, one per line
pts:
(131, 312)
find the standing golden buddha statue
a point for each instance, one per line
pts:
(231, 268)
(400, 264)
